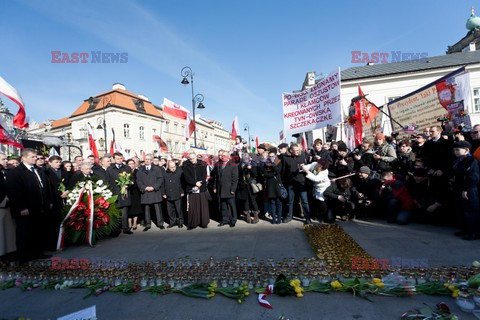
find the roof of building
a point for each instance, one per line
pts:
(384, 69)
(119, 98)
(58, 123)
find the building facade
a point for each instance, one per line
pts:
(132, 120)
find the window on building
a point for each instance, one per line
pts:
(175, 127)
(141, 132)
(169, 145)
(176, 146)
(476, 100)
(127, 151)
(167, 126)
(183, 146)
(126, 130)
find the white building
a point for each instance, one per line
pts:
(134, 120)
(388, 81)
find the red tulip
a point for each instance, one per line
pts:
(105, 219)
(97, 224)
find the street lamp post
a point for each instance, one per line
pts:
(187, 72)
(104, 127)
(246, 127)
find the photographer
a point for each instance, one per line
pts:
(343, 165)
(367, 185)
(341, 198)
(404, 162)
(395, 199)
(384, 154)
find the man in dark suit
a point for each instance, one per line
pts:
(173, 194)
(101, 170)
(85, 173)
(55, 177)
(3, 173)
(30, 202)
(152, 188)
(226, 181)
(122, 202)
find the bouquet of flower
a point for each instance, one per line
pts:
(106, 216)
(123, 181)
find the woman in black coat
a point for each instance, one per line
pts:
(195, 176)
(246, 175)
(273, 168)
(136, 209)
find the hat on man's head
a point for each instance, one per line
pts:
(364, 169)
(342, 147)
(262, 146)
(282, 145)
(462, 145)
(380, 136)
(423, 135)
(420, 172)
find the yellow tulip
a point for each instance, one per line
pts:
(446, 285)
(299, 295)
(451, 288)
(380, 284)
(377, 280)
(455, 294)
(247, 293)
(239, 301)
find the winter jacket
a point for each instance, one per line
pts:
(292, 171)
(319, 178)
(388, 156)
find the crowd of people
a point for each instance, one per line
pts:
(425, 178)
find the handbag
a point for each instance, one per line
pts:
(256, 186)
(283, 190)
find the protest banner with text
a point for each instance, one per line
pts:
(313, 108)
(421, 109)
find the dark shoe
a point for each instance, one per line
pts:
(460, 233)
(161, 227)
(128, 231)
(180, 225)
(43, 256)
(287, 220)
(248, 218)
(204, 227)
(134, 228)
(255, 217)
(191, 228)
(170, 226)
(232, 225)
(221, 224)
(146, 229)
(308, 221)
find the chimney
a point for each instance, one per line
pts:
(141, 96)
(118, 85)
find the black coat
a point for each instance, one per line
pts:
(173, 184)
(3, 187)
(272, 174)
(75, 179)
(25, 192)
(55, 181)
(226, 181)
(113, 173)
(193, 173)
(292, 172)
(101, 174)
(323, 154)
(438, 154)
(245, 177)
(151, 178)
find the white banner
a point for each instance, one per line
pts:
(313, 108)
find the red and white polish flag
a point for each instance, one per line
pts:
(174, 109)
(235, 128)
(91, 142)
(304, 142)
(12, 94)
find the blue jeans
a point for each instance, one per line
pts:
(397, 213)
(300, 190)
(276, 210)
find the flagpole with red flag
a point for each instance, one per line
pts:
(304, 143)
(235, 128)
(91, 143)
